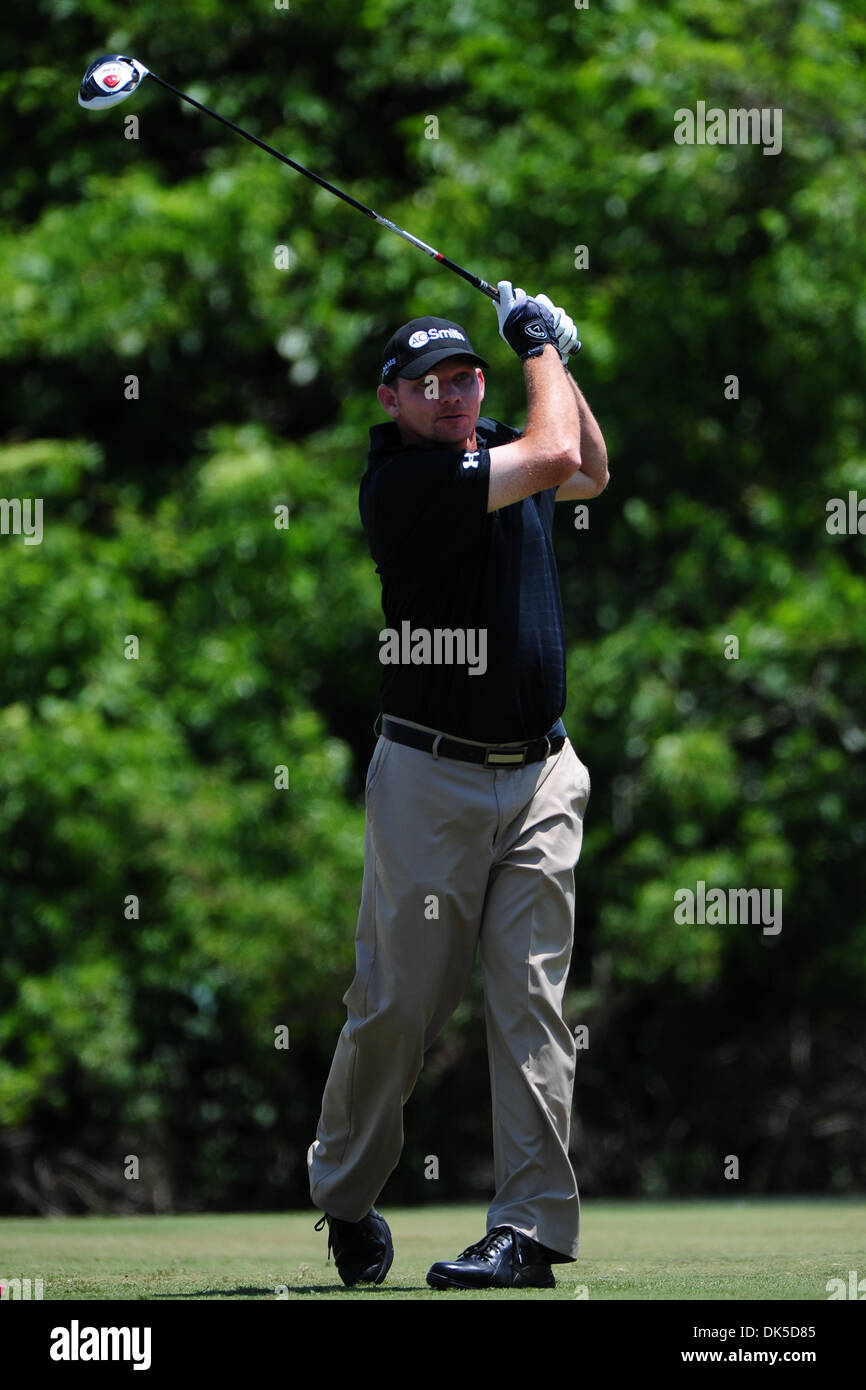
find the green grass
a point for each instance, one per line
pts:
(719, 1250)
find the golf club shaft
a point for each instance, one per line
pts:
(338, 192)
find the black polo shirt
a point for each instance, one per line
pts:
(448, 564)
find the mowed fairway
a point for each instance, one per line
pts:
(651, 1250)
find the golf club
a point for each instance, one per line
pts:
(112, 78)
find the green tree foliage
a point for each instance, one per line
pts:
(157, 259)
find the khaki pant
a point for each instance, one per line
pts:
(457, 856)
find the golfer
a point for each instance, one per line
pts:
(474, 797)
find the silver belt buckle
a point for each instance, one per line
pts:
(504, 757)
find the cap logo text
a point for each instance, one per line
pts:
(423, 336)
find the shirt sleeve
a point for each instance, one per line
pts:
(428, 502)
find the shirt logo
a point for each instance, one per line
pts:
(470, 459)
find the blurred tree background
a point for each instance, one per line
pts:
(154, 1034)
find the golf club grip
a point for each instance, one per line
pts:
(494, 294)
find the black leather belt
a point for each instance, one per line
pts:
(492, 755)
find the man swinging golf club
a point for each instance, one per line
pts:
(474, 796)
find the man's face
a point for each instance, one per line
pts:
(440, 407)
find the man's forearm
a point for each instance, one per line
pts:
(552, 414)
(593, 452)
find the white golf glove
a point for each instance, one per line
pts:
(566, 334)
(508, 297)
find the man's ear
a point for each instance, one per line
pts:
(480, 384)
(388, 400)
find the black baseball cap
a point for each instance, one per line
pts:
(420, 344)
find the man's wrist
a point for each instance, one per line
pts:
(540, 353)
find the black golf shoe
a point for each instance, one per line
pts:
(363, 1250)
(504, 1259)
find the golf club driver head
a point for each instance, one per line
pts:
(109, 80)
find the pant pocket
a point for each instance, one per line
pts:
(379, 754)
(582, 772)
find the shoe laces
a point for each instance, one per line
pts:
(490, 1245)
(318, 1227)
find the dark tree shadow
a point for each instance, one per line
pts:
(370, 1289)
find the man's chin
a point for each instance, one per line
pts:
(458, 433)
(456, 430)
